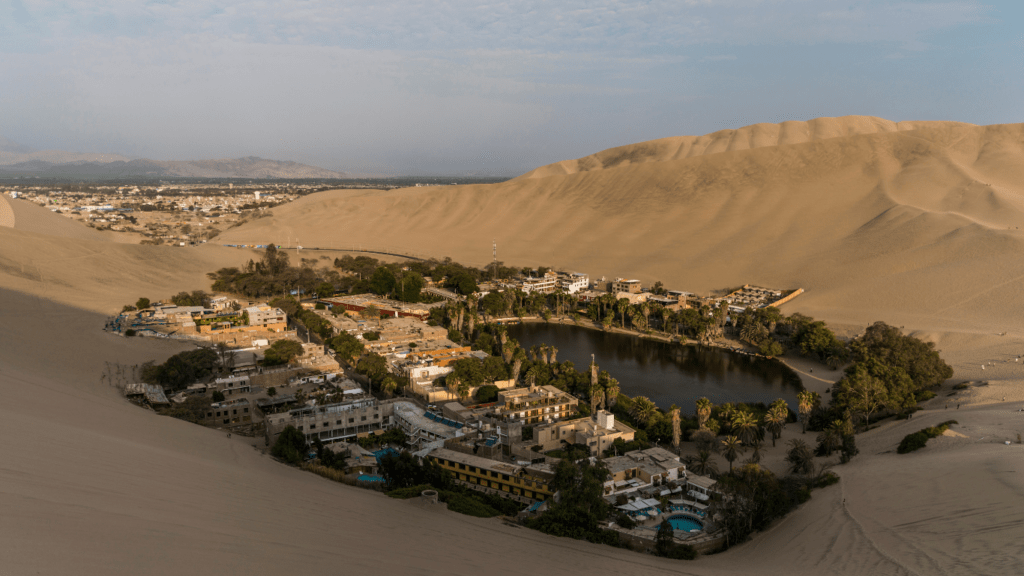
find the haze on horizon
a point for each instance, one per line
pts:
(488, 88)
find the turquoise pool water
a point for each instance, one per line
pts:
(684, 523)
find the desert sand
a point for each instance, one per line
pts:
(914, 224)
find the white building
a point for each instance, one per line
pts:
(544, 285)
(573, 282)
(265, 316)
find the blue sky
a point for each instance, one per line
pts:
(455, 87)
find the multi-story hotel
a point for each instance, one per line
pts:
(537, 405)
(522, 481)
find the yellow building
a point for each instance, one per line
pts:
(525, 482)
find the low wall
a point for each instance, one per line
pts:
(798, 292)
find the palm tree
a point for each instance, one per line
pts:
(642, 410)
(673, 413)
(800, 457)
(755, 456)
(775, 421)
(808, 401)
(531, 376)
(554, 354)
(596, 398)
(702, 464)
(508, 349)
(731, 448)
(389, 386)
(744, 424)
(452, 384)
(516, 367)
(830, 440)
(611, 393)
(726, 411)
(622, 305)
(703, 411)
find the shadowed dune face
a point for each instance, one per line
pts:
(842, 207)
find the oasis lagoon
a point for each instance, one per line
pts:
(667, 373)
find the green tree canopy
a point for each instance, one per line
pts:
(290, 446)
(347, 347)
(182, 369)
(383, 281)
(281, 352)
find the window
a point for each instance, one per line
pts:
(351, 420)
(362, 418)
(312, 426)
(227, 421)
(504, 477)
(245, 410)
(235, 411)
(209, 414)
(338, 423)
(300, 427)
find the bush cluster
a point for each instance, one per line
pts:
(918, 439)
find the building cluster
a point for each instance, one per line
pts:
(359, 303)
(179, 214)
(548, 283)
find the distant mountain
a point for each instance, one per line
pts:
(20, 160)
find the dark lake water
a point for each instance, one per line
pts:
(667, 373)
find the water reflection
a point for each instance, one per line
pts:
(667, 373)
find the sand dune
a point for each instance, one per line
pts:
(905, 221)
(50, 256)
(916, 226)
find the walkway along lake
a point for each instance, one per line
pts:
(667, 373)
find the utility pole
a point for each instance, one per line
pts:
(494, 272)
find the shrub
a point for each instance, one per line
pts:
(371, 336)
(912, 442)
(828, 479)
(409, 491)
(218, 396)
(469, 506)
(130, 332)
(918, 439)
(962, 386)
(922, 395)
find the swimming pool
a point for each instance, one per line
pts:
(684, 523)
